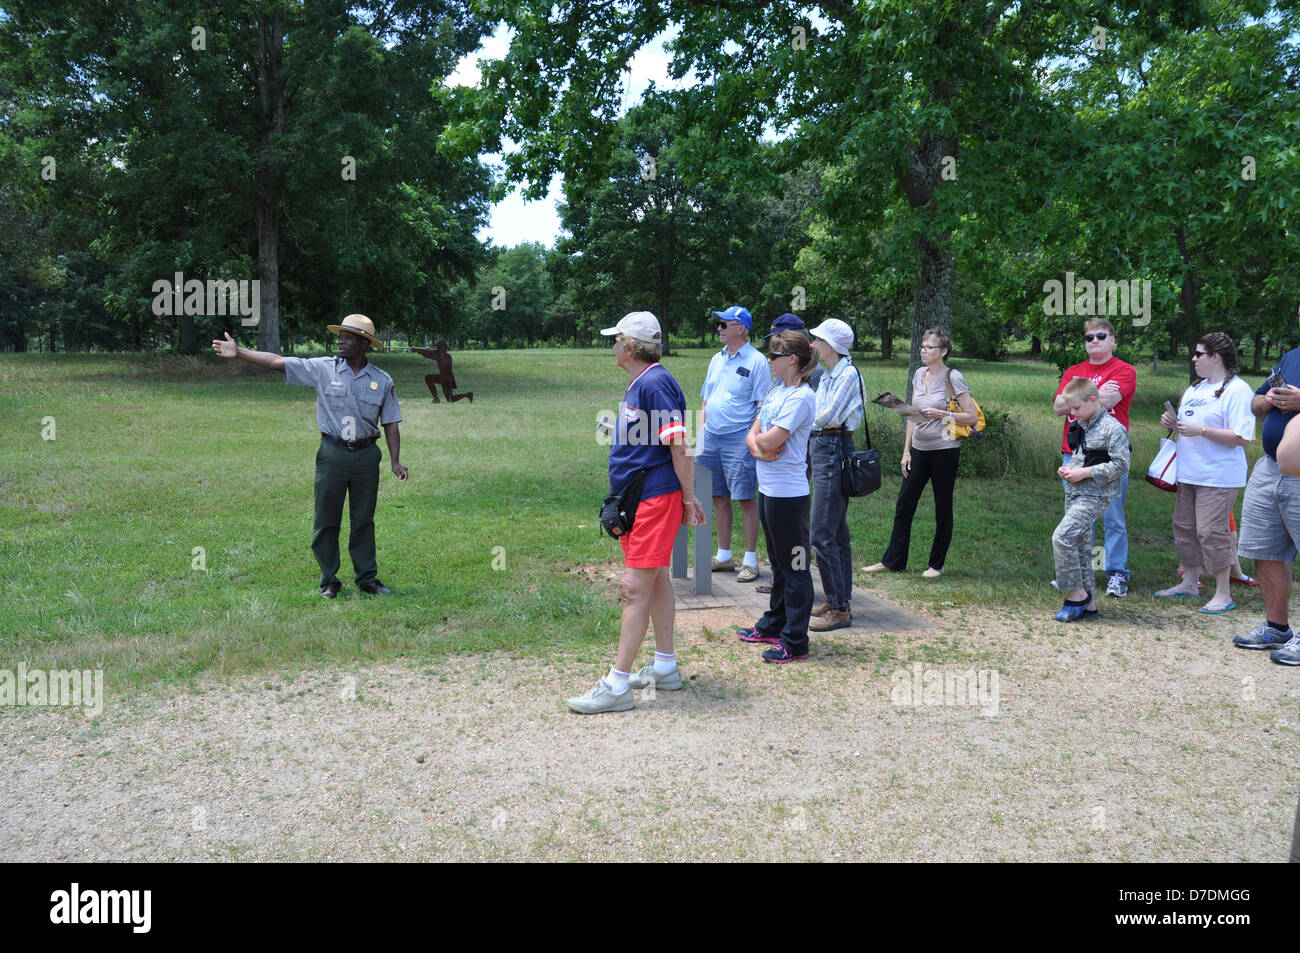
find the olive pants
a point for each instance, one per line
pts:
(342, 472)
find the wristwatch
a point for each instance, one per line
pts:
(1204, 430)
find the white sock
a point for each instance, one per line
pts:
(723, 555)
(751, 559)
(665, 662)
(618, 680)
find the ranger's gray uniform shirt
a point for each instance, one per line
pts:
(349, 405)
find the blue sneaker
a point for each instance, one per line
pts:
(1264, 636)
(1289, 654)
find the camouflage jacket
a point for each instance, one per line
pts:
(1103, 435)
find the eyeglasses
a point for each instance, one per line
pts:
(773, 355)
(1099, 336)
(929, 347)
(1197, 354)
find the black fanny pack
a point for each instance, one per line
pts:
(619, 510)
(1092, 458)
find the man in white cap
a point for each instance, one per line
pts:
(839, 411)
(735, 384)
(353, 399)
(649, 435)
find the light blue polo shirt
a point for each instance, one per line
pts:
(733, 388)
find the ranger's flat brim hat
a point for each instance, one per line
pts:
(359, 325)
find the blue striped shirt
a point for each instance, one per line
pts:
(839, 401)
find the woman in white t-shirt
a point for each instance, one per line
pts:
(1214, 424)
(779, 442)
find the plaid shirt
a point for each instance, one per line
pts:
(839, 401)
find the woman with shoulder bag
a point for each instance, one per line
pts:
(930, 454)
(839, 411)
(1214, 424)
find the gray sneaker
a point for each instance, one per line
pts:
(668, 682)
(601, 698)
(1264, 637)
(1117, 586)
(1289, 654)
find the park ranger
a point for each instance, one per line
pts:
(353, 398)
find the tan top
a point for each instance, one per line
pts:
(933, 434)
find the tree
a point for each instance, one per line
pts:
(289, 141)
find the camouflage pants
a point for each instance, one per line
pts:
(1072, 541)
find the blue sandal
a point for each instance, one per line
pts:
(1075, 610)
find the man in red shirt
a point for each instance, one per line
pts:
(1117, 382)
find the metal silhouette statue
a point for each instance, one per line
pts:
(442, 357)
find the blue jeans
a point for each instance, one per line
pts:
(830, 523)
(1115, 526)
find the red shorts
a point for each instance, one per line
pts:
(649, 545)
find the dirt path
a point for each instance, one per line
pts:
(1112, 742)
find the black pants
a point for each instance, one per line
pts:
(785, 530)
(939, 467)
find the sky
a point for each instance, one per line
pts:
(513, 220)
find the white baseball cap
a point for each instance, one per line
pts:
(638, 325)
(835, 333)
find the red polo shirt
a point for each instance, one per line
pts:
(1112, 369)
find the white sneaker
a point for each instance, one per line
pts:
(668, 682)
(602, 698)
(932, 573)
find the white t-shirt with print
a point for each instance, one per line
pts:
(1201, 461)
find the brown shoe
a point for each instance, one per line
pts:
(832, 619)
(826, 607)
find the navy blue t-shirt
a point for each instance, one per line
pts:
(1276, 420)
(652, 414)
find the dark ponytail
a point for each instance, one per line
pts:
(1216, 342)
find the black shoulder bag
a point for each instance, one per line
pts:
(860, 470)
(619, 510)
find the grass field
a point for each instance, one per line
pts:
(156, 456)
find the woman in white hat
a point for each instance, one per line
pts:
(839, 411)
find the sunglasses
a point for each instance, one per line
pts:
(1197, 354)
(773, 355)
(1099, 336)
(727, 324)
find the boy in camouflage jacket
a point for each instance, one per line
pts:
(1092, 477)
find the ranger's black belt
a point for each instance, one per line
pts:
(350, 444)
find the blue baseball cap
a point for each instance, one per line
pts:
(787, 322)
(737, 313)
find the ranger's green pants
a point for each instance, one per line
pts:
(355, 474)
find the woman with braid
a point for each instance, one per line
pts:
(1213, 425)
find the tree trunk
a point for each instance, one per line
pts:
(886, 338)
(189, 343)
(932, 303)
(267, 204)
(1036, 346)
(1187, 303)
(919, 177)
(1259, 343)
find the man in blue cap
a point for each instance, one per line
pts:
(736, 382)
